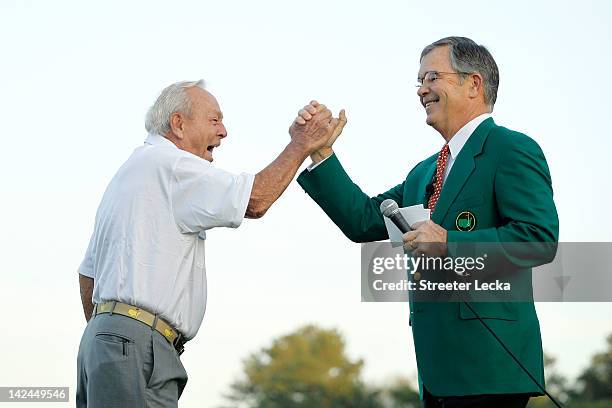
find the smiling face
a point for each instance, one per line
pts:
(202, 131)
(446, 99)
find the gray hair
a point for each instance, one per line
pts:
(467, 56)
(172, 99)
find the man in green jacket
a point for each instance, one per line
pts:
(488, 184)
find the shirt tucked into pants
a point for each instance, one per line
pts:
(124, 363)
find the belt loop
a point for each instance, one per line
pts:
(94, 311)
(154, 325)
(113, 307)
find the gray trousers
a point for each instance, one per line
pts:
(124, 363)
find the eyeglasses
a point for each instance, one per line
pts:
(431, 76)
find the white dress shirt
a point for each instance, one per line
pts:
(147, 248)
(459, 139)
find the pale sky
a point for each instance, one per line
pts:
(77, 78)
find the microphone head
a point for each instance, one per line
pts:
(388, 207)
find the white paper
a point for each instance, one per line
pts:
(412, 214)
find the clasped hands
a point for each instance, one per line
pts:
(426, 238)
(315, 122)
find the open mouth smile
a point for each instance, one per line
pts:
(429, 103)
(211, 147)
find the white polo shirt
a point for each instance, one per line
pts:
(147, 248)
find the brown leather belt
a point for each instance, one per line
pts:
(173, 336)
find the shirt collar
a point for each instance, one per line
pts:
(461, 137)
(155, 139)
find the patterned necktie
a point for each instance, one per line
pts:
(440, 168)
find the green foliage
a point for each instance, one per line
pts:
(594, 387)
(591, 404)
(308, 368)
(402, 395)
(595, 383)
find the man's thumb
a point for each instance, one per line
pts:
(334, 122)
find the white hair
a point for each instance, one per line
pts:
(173, 99)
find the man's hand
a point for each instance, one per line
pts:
(314, 133)
(306, 114)
(427, 238)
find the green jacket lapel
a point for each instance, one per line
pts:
(462, 168)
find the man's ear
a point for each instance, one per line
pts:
(176, 125)
(476, 85)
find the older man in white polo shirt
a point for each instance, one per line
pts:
(143, 279)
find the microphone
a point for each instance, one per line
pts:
(389, 209)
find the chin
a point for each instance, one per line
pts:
(430, 121)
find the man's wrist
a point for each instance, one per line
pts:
(299, 148)
(321, 154)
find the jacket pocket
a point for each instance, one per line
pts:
(489, 310)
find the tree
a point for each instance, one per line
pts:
(595, 383)
(307, 368)
(401, 394)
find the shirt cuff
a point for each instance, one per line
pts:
(313, 166)
(249, 179)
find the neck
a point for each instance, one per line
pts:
(452, 130)
(180, 143)
(171, 137)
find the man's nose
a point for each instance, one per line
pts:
(222, 131)
(422, 91)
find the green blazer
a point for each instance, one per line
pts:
(501, 176)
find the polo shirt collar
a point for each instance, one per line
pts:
(155, 139)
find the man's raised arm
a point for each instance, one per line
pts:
(306, 139)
